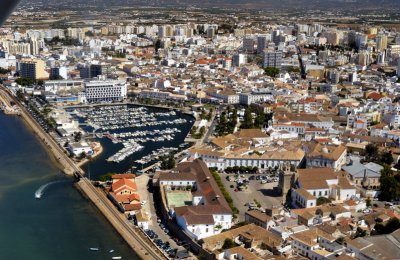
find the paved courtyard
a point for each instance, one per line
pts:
(262, 193)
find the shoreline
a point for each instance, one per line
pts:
(86, 160)
(70, 168)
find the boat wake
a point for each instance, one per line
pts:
(40, 192)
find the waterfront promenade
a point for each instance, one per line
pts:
(131, 236)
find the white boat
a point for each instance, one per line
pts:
(116, 257)
(94, 249)
(112, 250)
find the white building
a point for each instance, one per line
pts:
(272, 59)
(78, 148)
(54, 86)
(105, 91)
(234, 150)
(321, 182)
(208, 213)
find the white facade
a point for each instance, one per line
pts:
(303, 201)
(54, 86)
(200, 231)
(249, 98)
(98, 91)
(78, 148)
(221, 163)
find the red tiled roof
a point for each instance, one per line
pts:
(124, 184)
(375, 96)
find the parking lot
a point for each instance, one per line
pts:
(157, 232)
(256, 190)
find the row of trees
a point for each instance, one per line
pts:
(390, 184)
(206, 115)
(373, 154)
(389, 180)
(224, 192)
(241, 169)
(199, 134)
(227, 122)
(257, 121)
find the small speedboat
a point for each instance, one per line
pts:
(94, 249)
(112, 250)
(116, 257)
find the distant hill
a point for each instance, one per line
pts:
(279, 4)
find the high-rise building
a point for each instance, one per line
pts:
(15, 47)
(248, 45)
(58, 73)
(372, 30)
(361, 40)
(34, 46)
(211, 32)
(31, 69)
(100, 69)
(398, 67)
(381, 42)
(364, 58)
(276, 36)
(323, 56)
(238, 60)
(272, 59)
(381, 57)
(261, 43)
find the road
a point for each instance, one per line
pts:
(119, 221)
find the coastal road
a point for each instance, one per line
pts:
(119, 221)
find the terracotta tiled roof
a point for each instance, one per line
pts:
(124, 184)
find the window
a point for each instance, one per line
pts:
(326, 193)
(206, 230)
(320, 193)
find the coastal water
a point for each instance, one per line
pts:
(62, 224)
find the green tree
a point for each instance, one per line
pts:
(368, 202)
(77, 136)
(247, 120)
(271, 71)
(392, 225)
(360, 232)
(371, 151)
(390, 184)
(386, 157)
(25, 81)
(106, 177)
(323, 200)
(228, 243)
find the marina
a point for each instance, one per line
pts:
(132, 136)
